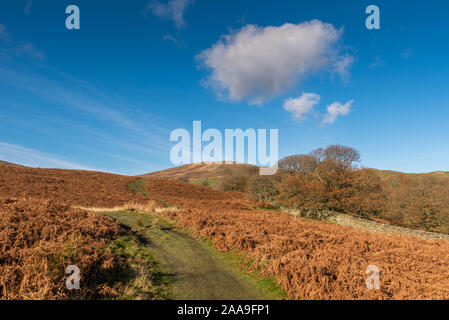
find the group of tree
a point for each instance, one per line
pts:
(330, 180)
(417, 201)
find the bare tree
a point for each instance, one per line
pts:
(335, 157)
(299, 163)
(346, 155)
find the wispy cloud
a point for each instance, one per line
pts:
(52, 91)
(34, 158)
(76, 97)
(136, 153)
(335, 110)
(28, 7)
(55, 91)
(27, 48)
(13, 47)
(108, 122)
(4, 34)
(176, 40)
(342, 66)
(172, 10)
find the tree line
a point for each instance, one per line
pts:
(330, 180)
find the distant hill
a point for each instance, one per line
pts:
(201, 171)
(8, 164)
(197, 171)
(439, 175)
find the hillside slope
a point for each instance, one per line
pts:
(75, 187)
(54, 232)
(384, 174)
(40, 238)
(196, 171)
(8, 164)
(311, 259)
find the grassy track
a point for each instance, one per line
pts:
(196, 270)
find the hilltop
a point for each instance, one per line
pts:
(197, 171)
(384, 174)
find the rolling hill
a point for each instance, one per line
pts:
(384, 174)
(199, 171)
(196, 171)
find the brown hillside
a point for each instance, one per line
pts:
(384, 174)
(312, 260)
(8, 164)
(211, 170)
(196, 171)
(40, 238)
(83, 188)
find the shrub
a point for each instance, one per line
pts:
(138, 186)
(419, 202)
(236, 178)
(263, 188)
(234, 182)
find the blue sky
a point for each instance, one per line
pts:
(107, 96)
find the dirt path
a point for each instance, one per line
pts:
(198, 271)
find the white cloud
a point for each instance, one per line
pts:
(302, 105)
(172, 10)
(258, 63)
(336, 109)
(342, 65)
(30, 157)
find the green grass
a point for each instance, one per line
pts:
(239, 261)
(140, 277)
(138, 186)
(212, 182)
